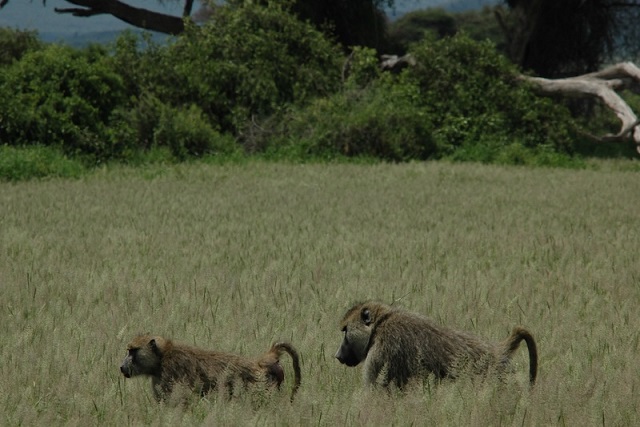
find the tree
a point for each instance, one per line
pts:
(561, 38)
(15, 43)
(351, 23)
(566, 42)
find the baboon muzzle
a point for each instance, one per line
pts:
(125, 372)
(346, 357)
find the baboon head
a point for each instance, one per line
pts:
(144, 356)
(357, 325)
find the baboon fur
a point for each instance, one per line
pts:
(397, 346)
(170, 364)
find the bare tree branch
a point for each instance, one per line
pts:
(601, 84)
(141, 18)
(396, 63)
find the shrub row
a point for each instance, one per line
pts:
(256, 79)
(461, 101)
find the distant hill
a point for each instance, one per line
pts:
(54, 27)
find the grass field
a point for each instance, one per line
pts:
(234, 257)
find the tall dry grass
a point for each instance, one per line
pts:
(234, 257)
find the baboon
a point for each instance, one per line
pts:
(396, 346)
(170, 364)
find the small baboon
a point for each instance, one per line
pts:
(170, 364)
(396, 346)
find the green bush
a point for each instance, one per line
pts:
(185, 131)
(188, 134)
(358, 125)
(63, 97)
(247, 62)
(475, 100)
(597, 119)
(21, 163)
(461, 101)
(137, 123)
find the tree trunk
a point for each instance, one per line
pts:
(519, 29)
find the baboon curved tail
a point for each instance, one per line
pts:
(513, 342)
(295, 358)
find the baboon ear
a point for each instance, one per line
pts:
(154, 346)
(366, 316)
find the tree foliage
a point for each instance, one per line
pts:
(245, 62)
(15, 43)
(350, 23)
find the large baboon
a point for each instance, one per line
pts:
(396, 346)
(170, 364)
